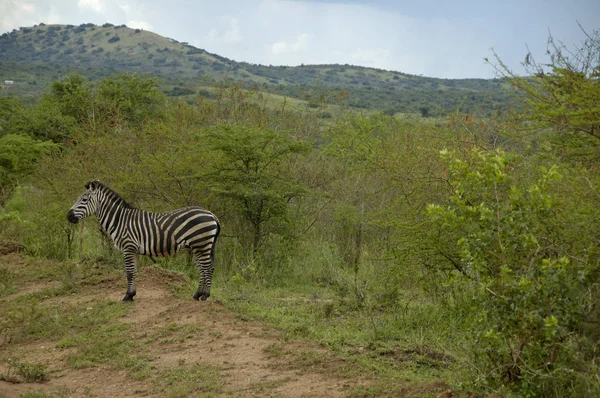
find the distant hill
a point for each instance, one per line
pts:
(34, 56)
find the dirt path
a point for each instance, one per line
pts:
(253, 360)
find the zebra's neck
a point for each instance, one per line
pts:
(111, 211)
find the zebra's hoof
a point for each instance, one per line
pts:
(128, 297)
(201, 296)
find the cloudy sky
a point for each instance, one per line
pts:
(447, 39)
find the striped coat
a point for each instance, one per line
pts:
(135, 231)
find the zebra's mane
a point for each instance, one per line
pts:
(112, 195)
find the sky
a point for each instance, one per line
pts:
(445, 39)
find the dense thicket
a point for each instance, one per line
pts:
(482, 232)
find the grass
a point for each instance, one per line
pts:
(111, 344)
(400, 349)
(88, 333)
(206, 381)
(7, 282)
(52, 393)
(30, 320)
(32, 372)
(409, 343)
(175, 333)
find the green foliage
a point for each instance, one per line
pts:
(501, 240)
(134, 97)
(43, 121)
(254, 171)
(563, 95)
(18, 156)
(73, 95)
(11, 108)
(37, 222)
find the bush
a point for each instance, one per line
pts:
(503, 242)
(36, 220)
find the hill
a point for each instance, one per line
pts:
(36, 55)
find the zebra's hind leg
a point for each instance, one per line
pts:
(204, 262)
(130, 260)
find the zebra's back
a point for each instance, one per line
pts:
(162, 234)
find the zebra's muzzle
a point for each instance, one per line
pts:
(72, 217)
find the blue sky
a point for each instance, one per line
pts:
(447, 39)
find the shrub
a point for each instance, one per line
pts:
(504, 242)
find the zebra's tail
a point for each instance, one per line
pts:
(212, 249)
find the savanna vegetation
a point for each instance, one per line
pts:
(462, 249)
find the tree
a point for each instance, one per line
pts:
(565, 93)
(254, 173)
(18, 155)
(133, 96)
(73, 95)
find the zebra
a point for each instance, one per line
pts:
(135, 231)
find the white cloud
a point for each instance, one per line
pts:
(139, 25)
(282, 47)
(231, 35)
(226, 35)
(27, 7)
(96, 5)
(16, 14)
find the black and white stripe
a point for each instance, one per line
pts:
(136, 231)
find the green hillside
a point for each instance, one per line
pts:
(34, 56)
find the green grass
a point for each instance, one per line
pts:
(30, 320)
(176, 333)
(206, 381)
(7, 282)
(59, 392)
(406, 343)
(32, 372)
(112, 344)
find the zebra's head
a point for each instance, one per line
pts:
(86, 204)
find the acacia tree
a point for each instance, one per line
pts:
(73, 96)
(564, 93)
(134, 97)
(253, 171)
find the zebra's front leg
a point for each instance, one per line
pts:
(206, 268)
(130, 260)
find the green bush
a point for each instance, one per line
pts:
(18, 156)
(35, 219)
(502, 243)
